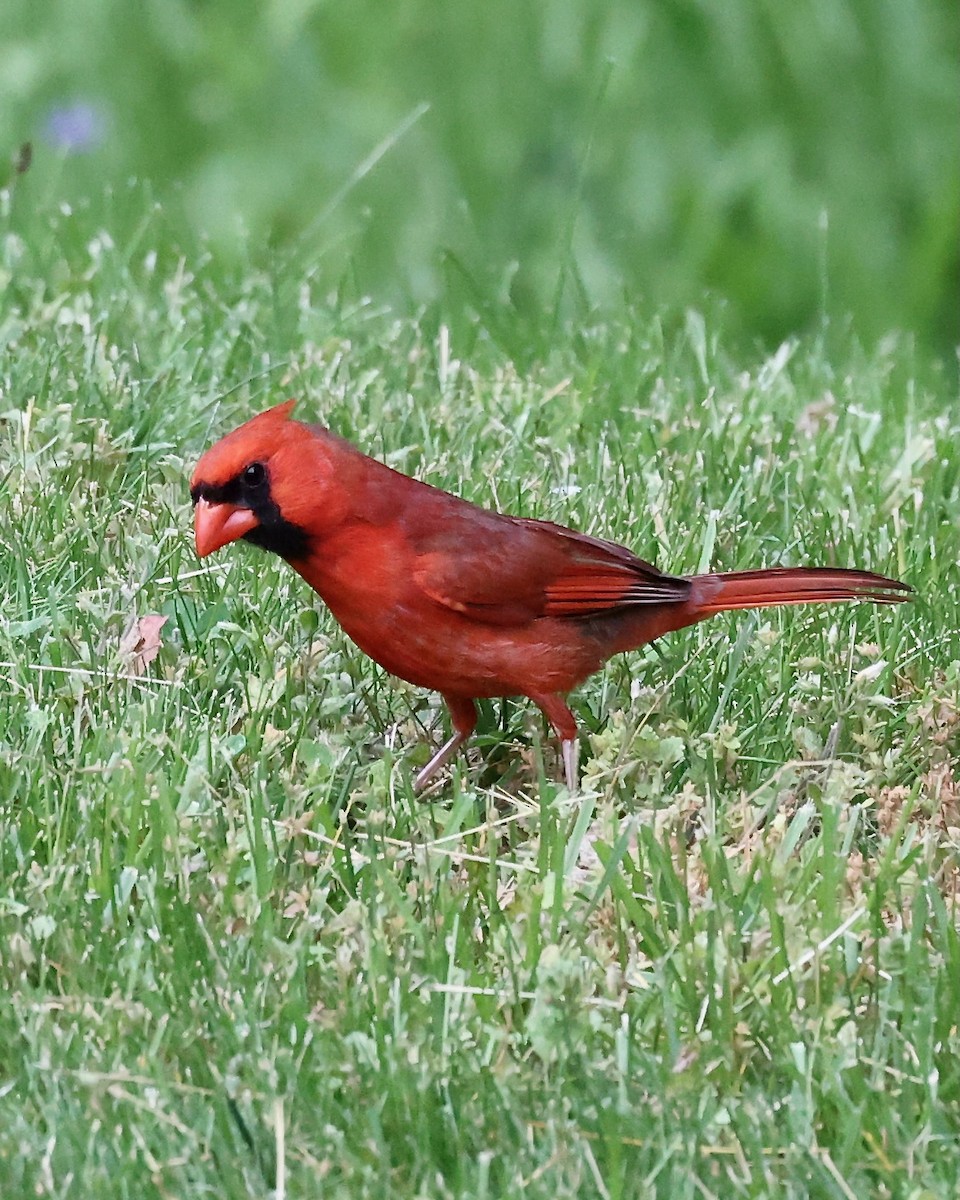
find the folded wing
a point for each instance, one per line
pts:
(511, 570)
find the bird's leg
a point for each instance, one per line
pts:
(570, 751)
(438, 762)
(463, 713)
(555, 709)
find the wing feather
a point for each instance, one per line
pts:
(512, 570)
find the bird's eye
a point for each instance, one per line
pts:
(255, 474)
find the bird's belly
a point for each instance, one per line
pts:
(434, 646)
(449, 653)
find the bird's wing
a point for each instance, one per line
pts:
(509, 570)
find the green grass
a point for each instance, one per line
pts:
(237, 955)
(798, 159)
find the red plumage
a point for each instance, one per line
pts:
(457, 598)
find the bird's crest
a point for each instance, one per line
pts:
(255, 440)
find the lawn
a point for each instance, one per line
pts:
(795, 158)
(238, 956)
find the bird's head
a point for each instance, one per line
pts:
(238, 487)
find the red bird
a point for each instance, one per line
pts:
(455, 597)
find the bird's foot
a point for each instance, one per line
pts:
(438, 762)
(570, 752)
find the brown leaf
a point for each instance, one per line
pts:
(141, 642)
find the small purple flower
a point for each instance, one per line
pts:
(76, 128)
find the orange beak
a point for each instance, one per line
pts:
(216, 525)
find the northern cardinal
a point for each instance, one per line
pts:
(455, 597)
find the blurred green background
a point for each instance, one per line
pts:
(797, 158)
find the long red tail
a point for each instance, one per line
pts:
(791, 585)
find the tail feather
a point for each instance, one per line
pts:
(791, 585)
